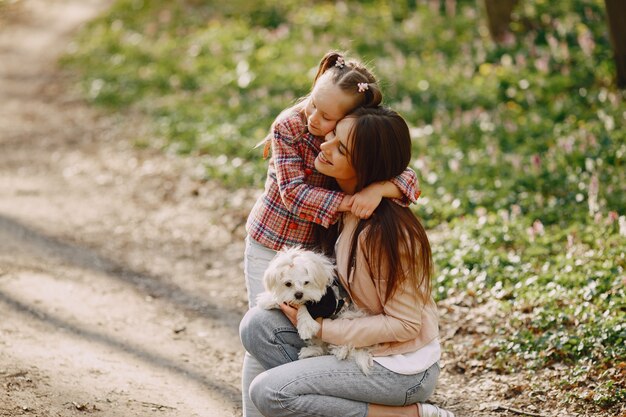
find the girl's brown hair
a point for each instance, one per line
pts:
(347, 75)
(381, 150)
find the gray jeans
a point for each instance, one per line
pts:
(321, 386)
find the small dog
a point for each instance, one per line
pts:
(299, 277)
(302, 277)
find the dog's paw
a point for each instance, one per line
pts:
(363, 360)
(311, 352)
(307, 329)
(265, 301)
(341, 352)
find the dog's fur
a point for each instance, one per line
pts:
(296, 276)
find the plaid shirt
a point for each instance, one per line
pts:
(296, 196)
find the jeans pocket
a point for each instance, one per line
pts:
(289, 342)
(425, 385)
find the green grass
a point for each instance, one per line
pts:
(521, 148)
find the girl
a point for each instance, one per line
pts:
(296, 197)
(385, 264)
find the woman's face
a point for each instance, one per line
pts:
(334, 158)
(326, 105)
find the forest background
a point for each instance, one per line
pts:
(519, 145)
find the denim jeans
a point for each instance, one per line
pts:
(322, 386)
(256, 259)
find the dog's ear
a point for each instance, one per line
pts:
(277, 268)
(271, 277)
(321, 268)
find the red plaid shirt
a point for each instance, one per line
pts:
(296, 196)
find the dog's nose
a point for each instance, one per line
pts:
(298, 295)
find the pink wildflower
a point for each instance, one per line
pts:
(536, 161)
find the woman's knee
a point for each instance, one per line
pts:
(248, 328)
(257, 327)
(267, 396)
(260, 394)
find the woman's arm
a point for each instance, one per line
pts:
(397, 319)
(400, 321)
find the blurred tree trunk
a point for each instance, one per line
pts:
(439, 6)
(616, 15)
(499, 17)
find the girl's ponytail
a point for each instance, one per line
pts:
(372, 95)
(332, 59)
(352, 77)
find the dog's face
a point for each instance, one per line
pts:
(296, 276)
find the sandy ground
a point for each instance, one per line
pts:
(121, 284)
(120, 273)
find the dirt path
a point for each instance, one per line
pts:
(121, 284)
(120, 274)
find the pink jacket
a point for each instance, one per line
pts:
(402, 325)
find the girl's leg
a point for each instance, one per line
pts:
(256, 259)
(250, 369)
(325, 386)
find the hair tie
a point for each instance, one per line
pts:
(340, 63)
(362, 87)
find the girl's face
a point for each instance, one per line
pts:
(334, 159)
(326, 105)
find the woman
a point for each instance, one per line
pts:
(385, 265)
(295, 199)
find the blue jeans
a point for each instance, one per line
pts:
(256, 259)
(322, 386)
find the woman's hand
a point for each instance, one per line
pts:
(290, 312)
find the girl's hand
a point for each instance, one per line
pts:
(346, 203)
(290, 312)
(365, 201)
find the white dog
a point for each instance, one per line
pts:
(296, 276)
(302, 277)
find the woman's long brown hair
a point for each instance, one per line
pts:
(380, 151)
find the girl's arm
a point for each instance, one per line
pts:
(408, 186)
(403, 189)
(309, 202)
